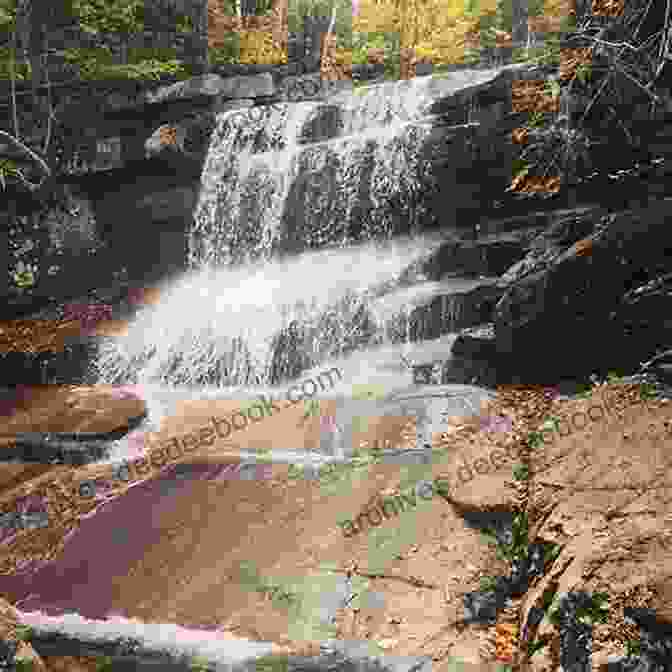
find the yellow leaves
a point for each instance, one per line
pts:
(376, 17)
(571, 61)
(257, 46)
(558, 7)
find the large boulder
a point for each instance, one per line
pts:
(561, 313)
(214, 86)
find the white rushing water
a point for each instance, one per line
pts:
(221, 326)
(256, 156)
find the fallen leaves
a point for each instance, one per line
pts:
(506, 642)
(532, 96)
(35, 336)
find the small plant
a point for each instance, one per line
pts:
(517, 549)
(647, 391)
(7, 169)
(295, 471)
(547, 599)
(633, 647)
(553, 88)
(24, 633)
(488, 584)
(553, 608)
(521, 472)
(535, 439)
(537, 119)
(597, 612)
(24, 664)
(534, 646)
(104, 664)
(583, 72)
(24, 275)
(199, 664)
(271, 664)
(551, 553)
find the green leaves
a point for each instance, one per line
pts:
(104, 664)
(24, 633)
(534, 646)
(199, 664)
(110, 16)
(521, 472)
(97, 64)
(597, 612)
(551, 553)
(553, 87)
(518, 547)
(7, 169)
(633, 647)
(488, 583)
(583, 72)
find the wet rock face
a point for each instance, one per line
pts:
(569, 296)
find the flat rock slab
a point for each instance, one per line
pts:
(64, 412)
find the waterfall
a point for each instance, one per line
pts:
(282, 178)
(259, 303)
(261, 323)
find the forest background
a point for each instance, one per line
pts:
(441, 31)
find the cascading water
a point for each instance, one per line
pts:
(224, 327)
(293, 176)
(257, 308)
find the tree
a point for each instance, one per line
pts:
(199, 21)
(519, 16)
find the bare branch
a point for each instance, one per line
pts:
(24, 148)
(639, 84)
(50, 111)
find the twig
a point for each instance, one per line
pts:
(596, 96)
(639, 84)
(623, 45)
(28, 151)
(412, 580)
(622, 125)
(666, 35)
(51, 111)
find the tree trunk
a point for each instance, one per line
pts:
(199, 56)
(37, 41)
(520, 13)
